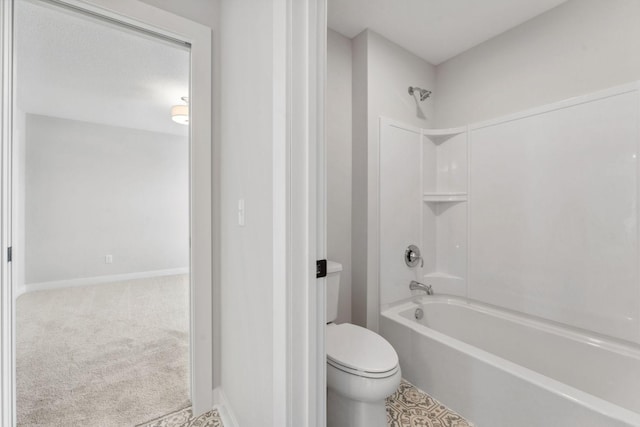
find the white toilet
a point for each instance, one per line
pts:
(362, 367)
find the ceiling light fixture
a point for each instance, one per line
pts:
(180, 112)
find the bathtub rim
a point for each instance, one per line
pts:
(582, 398)
(584, 336)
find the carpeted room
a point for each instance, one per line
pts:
(102, 218)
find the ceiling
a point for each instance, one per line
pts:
(75, 67)
(434, 30)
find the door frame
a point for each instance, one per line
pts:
(202, 280)
(306, 76)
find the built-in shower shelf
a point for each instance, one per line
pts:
(438, 136)
(440, 275)
(444, 197)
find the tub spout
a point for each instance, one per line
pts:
(417, 286)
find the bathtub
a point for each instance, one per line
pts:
(502, 369)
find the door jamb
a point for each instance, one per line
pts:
(307, 211)
(7, 386)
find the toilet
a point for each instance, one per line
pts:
(362, 367)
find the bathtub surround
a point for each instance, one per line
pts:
(423, 201)
(546, 238)
(382, 72)
(400, 212)
(508, 218)
(115, 354)
(472, 198)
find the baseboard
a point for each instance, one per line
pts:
(20, 289)
(221, 404)
(98, 280)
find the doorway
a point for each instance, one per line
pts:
(95, 171)
(101, 220)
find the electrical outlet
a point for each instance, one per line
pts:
(108, 259)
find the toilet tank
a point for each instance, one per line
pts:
(333, 289)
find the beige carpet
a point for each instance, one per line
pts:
(105, 355)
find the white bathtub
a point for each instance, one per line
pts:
(501, 369)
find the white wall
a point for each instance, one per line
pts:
(359, 170)
(579, 47)
(338, 135)
(382, 73)
(205, 12)
(247, 138)
(243, 116)
(93, 190)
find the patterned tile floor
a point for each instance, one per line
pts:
(184, 418)
(411, 407)
(407, 407)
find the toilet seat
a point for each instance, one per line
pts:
(359, 351)
(363, 374)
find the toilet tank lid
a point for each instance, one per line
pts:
(333, 267)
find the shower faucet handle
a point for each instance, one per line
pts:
(412, 256)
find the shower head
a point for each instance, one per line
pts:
(424, 94)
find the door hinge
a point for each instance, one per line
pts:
(9, 253)
(321, 268)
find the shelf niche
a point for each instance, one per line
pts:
(444, 197)
(438, 136)
(444, 212)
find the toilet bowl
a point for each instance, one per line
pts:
(362, 368)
